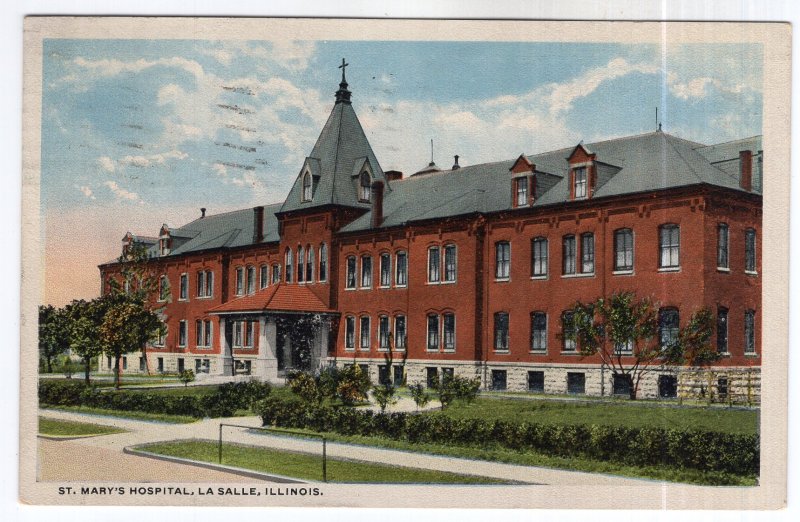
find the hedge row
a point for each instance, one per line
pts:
(702, 450)
(224, 402)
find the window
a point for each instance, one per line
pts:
(239, 281)
(288, 264)
(160, 365)
(450, 263)
(184, 287)
(576, 383)
(364, 338)
(310, 265)
(722, 388)
(350, 279)
(449, 331)
(499, 378)
(209, 333)
(301, 264)
(307, 187)
(401, 269)
(383, 374)
(163, 288)
(539, 331)
(580, 182)
(670, 246)
(182, 333)
(142, 365)
(502, 268)
(433, 264)
(522, 192)
(350, 333)
(364, 183)
(203, 334)
(237, 334)
(366, 272)
(587, 253)
(199, 333)
(749, 331)
(668, 326)
(386, 270)
(249, 333)
(400, 332)
(264, 276)
(431, 377)
(125, 362)
(568, 261)
(276, 274)
(750, 250)
(209, 283)
(536, 382)
(163, 244)
(622, 348)
(623, 250)
(722, 246)
(501, 331)
(667, 386)
(539, 257)
(622, 384)
(383, 332)
(161, 335)
(251, 279)
(722, 330)
(433, 332)
(568, 331)
(323, 263)
(181, 364)
(399, 374)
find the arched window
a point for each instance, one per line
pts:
(310, 265)
(323, 262)
(364, 186)
(308, 191)
(301, 262)
(288, 264)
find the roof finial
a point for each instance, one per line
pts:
(431, 164)
(343, 95)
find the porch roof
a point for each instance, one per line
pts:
(276, 298)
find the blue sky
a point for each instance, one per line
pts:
(137, 133)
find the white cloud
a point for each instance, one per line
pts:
(120, 192)
(153, 159)
(106, 163)
(86, 191)
(293, 55)
(698, 88)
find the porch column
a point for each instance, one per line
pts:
(267, 358)
(225, 348)
(319, 348)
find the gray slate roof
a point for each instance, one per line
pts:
(337, 158)
(644, 162)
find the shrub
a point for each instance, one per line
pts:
(186, 376)
(353, 385)
(420, 396)
(384, 395)
(452, 387)
(305, 386)
(678, 449)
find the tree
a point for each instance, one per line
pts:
(127, 326)
(420, 396)
(53, 337)
(84, 320)
(624, 333)
(186, 376)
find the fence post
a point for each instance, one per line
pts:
(219, 447)
(324, 460)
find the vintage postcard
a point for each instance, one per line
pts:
(396, 263)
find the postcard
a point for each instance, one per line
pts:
(404, 263)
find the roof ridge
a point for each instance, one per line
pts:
(731, 141)
(683, 158)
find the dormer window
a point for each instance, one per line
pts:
(522, 192)
(580, 182)
(308, 187)
(364, 187)
(163, 244)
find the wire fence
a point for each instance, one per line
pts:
(280, 430)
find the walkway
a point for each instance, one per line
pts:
(142, 432)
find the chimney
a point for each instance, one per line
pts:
(377, 203)
(456, 166)
(746, 170)
(393, 175)
(202, 212)
(258, 224)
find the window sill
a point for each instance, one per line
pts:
(365, 288)
(183, 300)
(502, 352)
(723, 269)
(448, 282)
(449, 350)
(667, 269)
(539, 278)
(570, 352)
(622, 272)
(385, 287)
(349, 289)
(401, 286)
(751, 273)
(502, 280)
(433, 283)
(752, 355)
(205, 297)
(577, 276)
(349, 349)
(538, 352)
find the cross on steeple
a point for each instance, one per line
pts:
(343, 95)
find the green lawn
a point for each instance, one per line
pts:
(62, 428)
(308, 467)
(617, 413)
(136, 415)
(531, 458)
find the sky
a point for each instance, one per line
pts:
(137, 133)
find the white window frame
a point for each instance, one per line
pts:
(209, 284)
(350, 273)
(183, 287)
(540, 261)
(307, 193)
(288, 268)
(450, 247)
(569, 263)
(350, 333)
(239, 281)
(163, 288)
(310, 260)
(397, 270)
(428, 337)
(263, 276)
(364, 342)
(534, 348)
(502, 267)
(251, 279)
(301, 265)
(384, 334)
(183, 333)
(400, 341)
(666, 233)
(365, 277)
(723, 247)
(323, 263)
(581, 182)
(747, 233)
(385, 268)
(591, 238)
(750, 332)
(496, 332)
(624, 232)
(521, 189)
(434, 272)
(450, 349)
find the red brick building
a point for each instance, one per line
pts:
(470, 270)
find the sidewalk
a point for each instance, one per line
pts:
(142, 432)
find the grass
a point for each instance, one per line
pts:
(62, 428)
(615, 413)
(136, 415)
(308, 467)
(530, 458)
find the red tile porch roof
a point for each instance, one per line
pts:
(277, 298)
